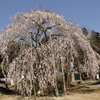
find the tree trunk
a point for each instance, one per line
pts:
(56, 88)
(72, 77)
(64, 84)
(32, 69)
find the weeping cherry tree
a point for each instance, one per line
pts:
(50, 39)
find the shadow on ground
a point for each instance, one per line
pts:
(84, 89)
(7, 91)
(96, 83)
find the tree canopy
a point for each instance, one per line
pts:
(50, 39)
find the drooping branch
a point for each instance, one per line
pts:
(43, 60)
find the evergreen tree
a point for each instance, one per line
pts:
(95, 41)
(85, 31)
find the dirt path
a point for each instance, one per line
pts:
(72, 96)
(85, 92)
(77, 96)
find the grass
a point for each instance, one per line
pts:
(83, 87)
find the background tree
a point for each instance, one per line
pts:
(85, 31)
(95, 41)
(12, 50)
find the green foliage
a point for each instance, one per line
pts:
(49, 90)
(1, 74)
(45, 40)
(1, 59)
(95, 37)
(85, 31)
(61, 91)
(13, 50)
(95, 41)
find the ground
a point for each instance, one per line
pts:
(90, 91)
(73, 96)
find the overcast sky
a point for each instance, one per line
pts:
(86, 13)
